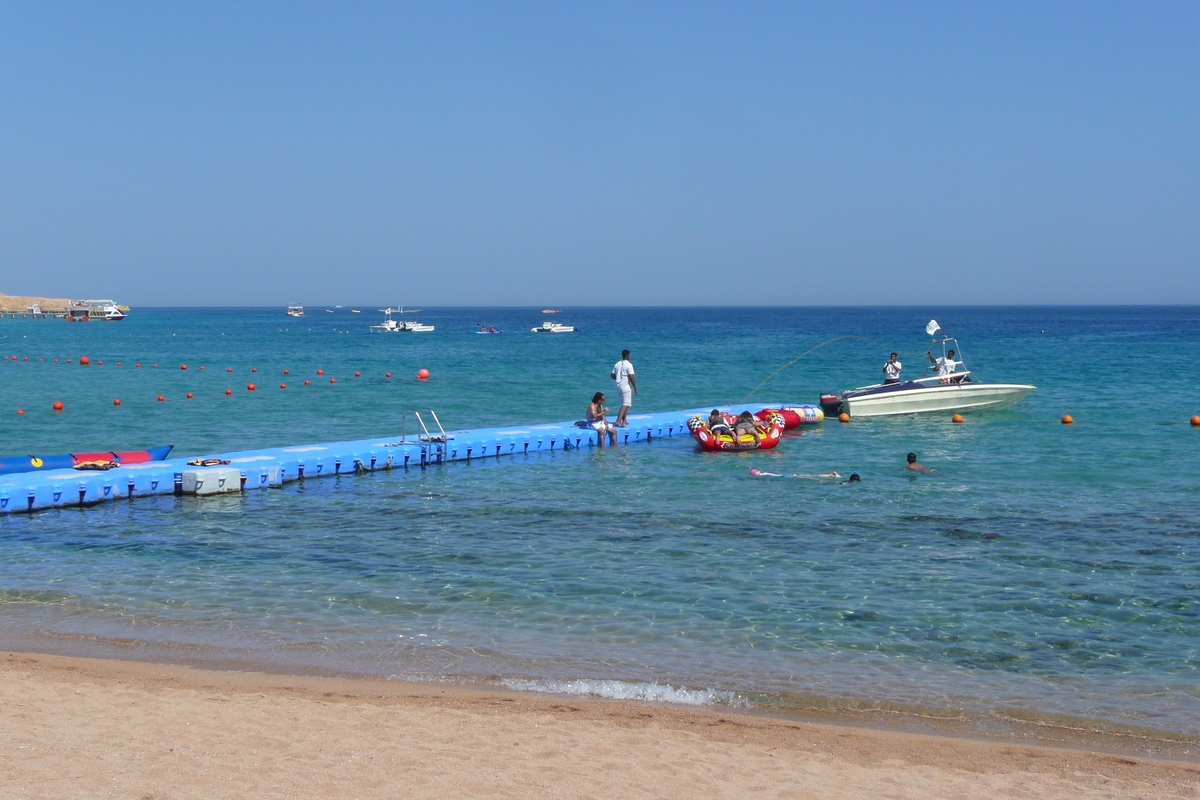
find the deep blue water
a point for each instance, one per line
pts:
(1042, 567)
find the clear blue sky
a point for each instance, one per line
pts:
(600, 153)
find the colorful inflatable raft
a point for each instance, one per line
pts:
(770, 430)
(13, 464)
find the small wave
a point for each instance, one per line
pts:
(623, 690)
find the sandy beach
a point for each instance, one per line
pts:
(83, 728)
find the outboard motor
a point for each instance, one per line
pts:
(831, 404)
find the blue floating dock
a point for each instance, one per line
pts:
(272, 467)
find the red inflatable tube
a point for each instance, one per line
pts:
(770, 432)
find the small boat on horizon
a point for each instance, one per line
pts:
(551, 311)
(400, 326)
(295, 310)
(948, 390)
(85, 310)
(553, 327)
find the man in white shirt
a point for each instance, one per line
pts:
(891, 370)
(945, 366)
(622, 373)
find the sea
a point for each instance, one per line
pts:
(1042, 577)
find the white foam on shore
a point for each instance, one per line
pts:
(623, 690)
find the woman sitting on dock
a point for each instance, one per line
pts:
(595, 418)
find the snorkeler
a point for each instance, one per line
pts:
(757, 473)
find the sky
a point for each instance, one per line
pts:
(550, 154)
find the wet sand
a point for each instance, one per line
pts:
(84, 728)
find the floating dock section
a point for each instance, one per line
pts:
(261, 469)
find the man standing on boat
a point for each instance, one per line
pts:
(622, 373)
(891, 370)
(945, 367)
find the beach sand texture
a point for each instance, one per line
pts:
(84, 728)
(10, 304)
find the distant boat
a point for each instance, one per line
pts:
(295, 310)
(402, 326)
(551, 311)
(84, 310)
(553, 327)
(355, 311)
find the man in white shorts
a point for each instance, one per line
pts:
(622, 373)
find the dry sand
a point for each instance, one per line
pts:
(84, 728)
(15, 304)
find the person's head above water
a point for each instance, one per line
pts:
(854, 478)
(912, 458)
(598, 398)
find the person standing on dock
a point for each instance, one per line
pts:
(622, 373)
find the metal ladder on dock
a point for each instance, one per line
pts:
(425, 440)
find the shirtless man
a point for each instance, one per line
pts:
(914, 466)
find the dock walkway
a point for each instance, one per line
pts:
(272, 467)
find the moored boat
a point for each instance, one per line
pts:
(399, 326)
(769, 433)
(295, 310)
(950, 389)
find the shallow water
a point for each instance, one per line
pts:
(1042, 567)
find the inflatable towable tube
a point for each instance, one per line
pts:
(771, 432)
(15, 464)
(795, 416)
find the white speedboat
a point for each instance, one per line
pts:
(553, 327)
(399, 326)
(953, 388)
(295, 310)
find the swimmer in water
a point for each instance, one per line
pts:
(914, 466)
(760, 474)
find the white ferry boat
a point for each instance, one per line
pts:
(295, 310)
(85, 310)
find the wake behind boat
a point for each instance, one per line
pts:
(952, 388)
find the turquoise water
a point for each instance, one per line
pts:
(1045, 568)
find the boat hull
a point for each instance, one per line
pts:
(924, 400)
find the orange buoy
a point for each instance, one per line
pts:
(1068, 419)
(101, 363)
(283, 386)
(161, 398)
(84, 360)
(229, 391)
(357, 374)
(388, 375)
(56, 361)
(58, 406)
(254, 369)
(181, 366)
(189, 395)
(307, 383)
(20, 411)
(137, 365)
(229, 369)
(1196, 420)
(333, 380)
(843, 417)
(956, 418)
(119, 364)
(423, 374)
(156, 366)
(320, 372)
(285, 372)
(117, 402)
(251, 386)
(68, 361)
